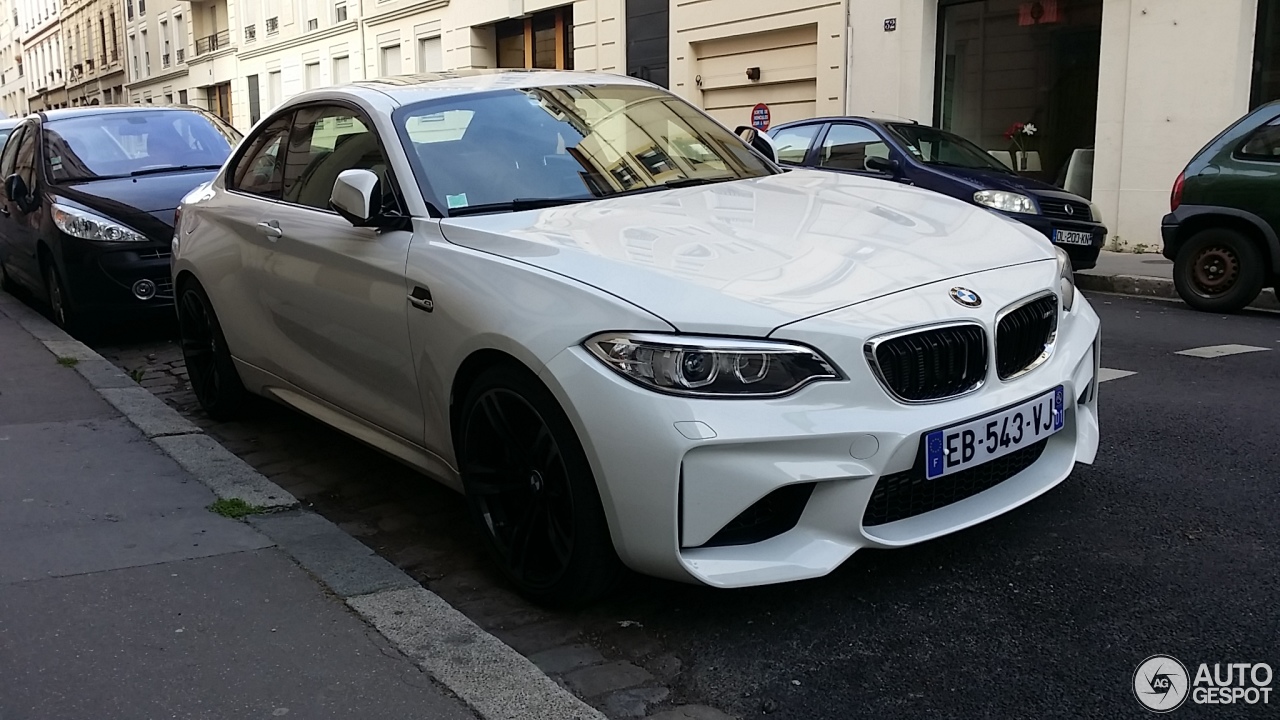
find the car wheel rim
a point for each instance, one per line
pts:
(514, 470)
(195, 329)
(1215, 270)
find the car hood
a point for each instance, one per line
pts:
(146, 203)
(749, 256)
(995, 180)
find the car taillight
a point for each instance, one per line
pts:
(1175, 198)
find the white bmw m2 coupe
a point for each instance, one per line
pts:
(629, 337)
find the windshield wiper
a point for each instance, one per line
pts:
(172, 168)
(677, 183)
(517, 205)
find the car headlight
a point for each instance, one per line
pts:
(1095, 212)
(711, 367)
(1066, 280)
(91, 226)
(1006, 201)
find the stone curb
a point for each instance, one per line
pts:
(494, 680)
(1157, 287)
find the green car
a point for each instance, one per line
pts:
(1222, 232)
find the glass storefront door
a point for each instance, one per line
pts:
(1266, 55)
(1002, 63)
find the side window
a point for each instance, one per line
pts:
(9, 157)
(324, 142)
(793, 143)
(1263, 144)
(26, 156)
(847, 147)
(260, 170)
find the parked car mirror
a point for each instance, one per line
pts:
(758, 140)
(16, 188)
(353, 197)
(882, 165)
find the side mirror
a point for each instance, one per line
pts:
(762, 143)
(16, 188)
(354, 195)
(882, 165)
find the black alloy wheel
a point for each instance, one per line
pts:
(1219, 270)
(209, 366)
(531, 491)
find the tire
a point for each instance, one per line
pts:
(1219, 270)
(7, 283)
(60, 308)
(212, 373)
(531, 492)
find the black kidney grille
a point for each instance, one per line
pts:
(933, 364)
(907, 494)
(1024, 333)
(1059, 209)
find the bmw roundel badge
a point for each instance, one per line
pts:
(965, 297)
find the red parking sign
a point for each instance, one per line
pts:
(760, 117)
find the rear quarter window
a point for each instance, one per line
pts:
(1263, 144)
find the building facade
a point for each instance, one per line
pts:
(41, 38)
(156, 50)
(13, 82)
(94, 63)
(1121, 92)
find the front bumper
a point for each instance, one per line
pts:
(674, 473)
(100, 276)
(1083, 257)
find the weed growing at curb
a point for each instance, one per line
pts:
(235, 508)
(68, 361)
(137, 374)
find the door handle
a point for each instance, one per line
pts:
(421, 299)
(271, 228)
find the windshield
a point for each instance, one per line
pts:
(939, 147)
(4, 135)
(487, 152)
(120, 144)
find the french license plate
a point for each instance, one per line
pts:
(970, 444)
(1072, 237)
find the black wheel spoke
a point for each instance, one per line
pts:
(522, 539)
(497, 418)
(544, 451)
(560, 541)
(485, 480)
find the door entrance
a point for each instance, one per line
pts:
(1020, 79)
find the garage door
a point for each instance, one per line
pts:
(787, 59)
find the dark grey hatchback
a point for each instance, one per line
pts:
(946, 163)
(87, 205)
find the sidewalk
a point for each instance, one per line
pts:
(1148, 274)
(123, 596)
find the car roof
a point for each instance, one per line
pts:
(405, 89)
(843, 118)
(92, 110)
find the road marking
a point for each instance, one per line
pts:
(1214, 351)
(1105, 374)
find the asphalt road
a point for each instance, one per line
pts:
(1168, 544)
